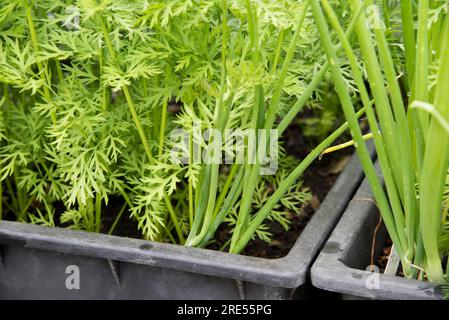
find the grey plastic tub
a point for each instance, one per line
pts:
(46, 263)
(343, 265)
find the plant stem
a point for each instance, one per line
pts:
(20, 195)
(97, 212)
(277, 52)
(90, 215)
(436, 162)
(409, 38)
(191, 203)
(200, 202)
(140, 130)
(229, 182)
(59, 70)
(174, 220)
(24, 210)
(345, 145)
(163, 125)
(117, 219)
(252, 30)
(231, 199)
(40, 67)
(6, 93)
(419, 118)
(107, 39)
(251, 172)
(104, 97)
(169, 234)
(127, 94)
(297, 107)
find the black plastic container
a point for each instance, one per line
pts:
(44, 263)
(343, 265)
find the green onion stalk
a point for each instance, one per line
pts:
(412, 143)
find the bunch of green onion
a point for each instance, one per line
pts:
(410, 126)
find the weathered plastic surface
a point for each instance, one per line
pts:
(341, 266)
(42, 263)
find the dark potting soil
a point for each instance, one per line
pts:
(318, 178)
(382, 260)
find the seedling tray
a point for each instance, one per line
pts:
(46, 263)
(343, 266)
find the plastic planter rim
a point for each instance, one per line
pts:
(290, 271)
(332, 269)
